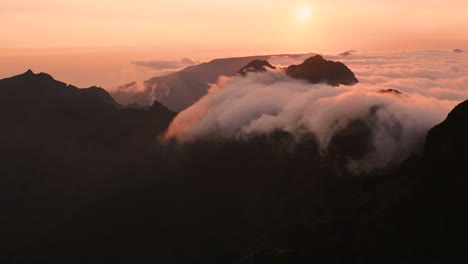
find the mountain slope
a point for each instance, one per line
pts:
(181, 89)
(37, 106)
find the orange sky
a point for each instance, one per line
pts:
(75, 34)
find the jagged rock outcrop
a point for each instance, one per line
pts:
(256, 66)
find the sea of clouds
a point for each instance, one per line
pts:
(431, 82)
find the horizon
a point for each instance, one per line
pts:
(110, 68)
(87, 43)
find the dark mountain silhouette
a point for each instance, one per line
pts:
(447, 153)
(84, 181)
(390, 91)
(458, 50)
(316, 69)
(28, 85)
(101, 93)
(256, 66)
(448, 140)
(61, 149)
(37, 105)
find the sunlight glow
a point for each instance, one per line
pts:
(303, 13)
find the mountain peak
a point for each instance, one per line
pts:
(36, 76)
(99, 92)
(314, 59)
(316, 70)
(256, 66)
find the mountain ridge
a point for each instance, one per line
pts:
(181, 89)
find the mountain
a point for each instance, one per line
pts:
(458, 50)
(62, 149)
(181, 89)
(99, 92)
(35, 106)
(316, 69)
(43, 85)
(446, 151)
(256, 66)
(448, 141)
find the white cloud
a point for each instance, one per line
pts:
(433, 82)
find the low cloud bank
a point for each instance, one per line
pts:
(431, 82)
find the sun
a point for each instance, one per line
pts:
(303, 13)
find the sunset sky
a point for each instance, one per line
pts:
(42, 34)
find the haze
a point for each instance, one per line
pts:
(94, 42)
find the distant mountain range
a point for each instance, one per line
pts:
(181, 89)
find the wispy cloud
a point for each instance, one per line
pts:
(166, 64)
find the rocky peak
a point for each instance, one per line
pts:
(316, 70)
(256, 66)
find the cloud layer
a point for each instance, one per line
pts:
(432, 82)
(161, 65)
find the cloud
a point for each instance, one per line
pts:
(432, 83)
(137, 92)
(133, 93)
(166, 64)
